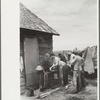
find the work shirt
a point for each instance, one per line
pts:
(46, 64)
(76, 61)
(58, 62)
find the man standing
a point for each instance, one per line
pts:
(77, 62)
(43, 67)
(65, 69)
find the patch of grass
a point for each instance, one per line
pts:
(92, 82)
(75, 98)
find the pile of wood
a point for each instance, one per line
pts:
(43, 95)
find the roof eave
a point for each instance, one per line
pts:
(42, 31)
(56, 34)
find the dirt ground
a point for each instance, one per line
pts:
(90, 93)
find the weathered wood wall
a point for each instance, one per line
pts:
(45, 45)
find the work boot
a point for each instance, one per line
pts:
(42, 89)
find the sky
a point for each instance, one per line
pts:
(74, 20)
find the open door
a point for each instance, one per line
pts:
(31, 54)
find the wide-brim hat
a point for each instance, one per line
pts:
(39, 68)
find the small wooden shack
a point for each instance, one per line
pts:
(35, 41)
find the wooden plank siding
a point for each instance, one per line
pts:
(45, 45)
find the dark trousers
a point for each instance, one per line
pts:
(80, 81)
(83, 83)
(41, 79)
(65, 75)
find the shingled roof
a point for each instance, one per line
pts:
(29, 20)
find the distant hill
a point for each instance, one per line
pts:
(61, 51)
